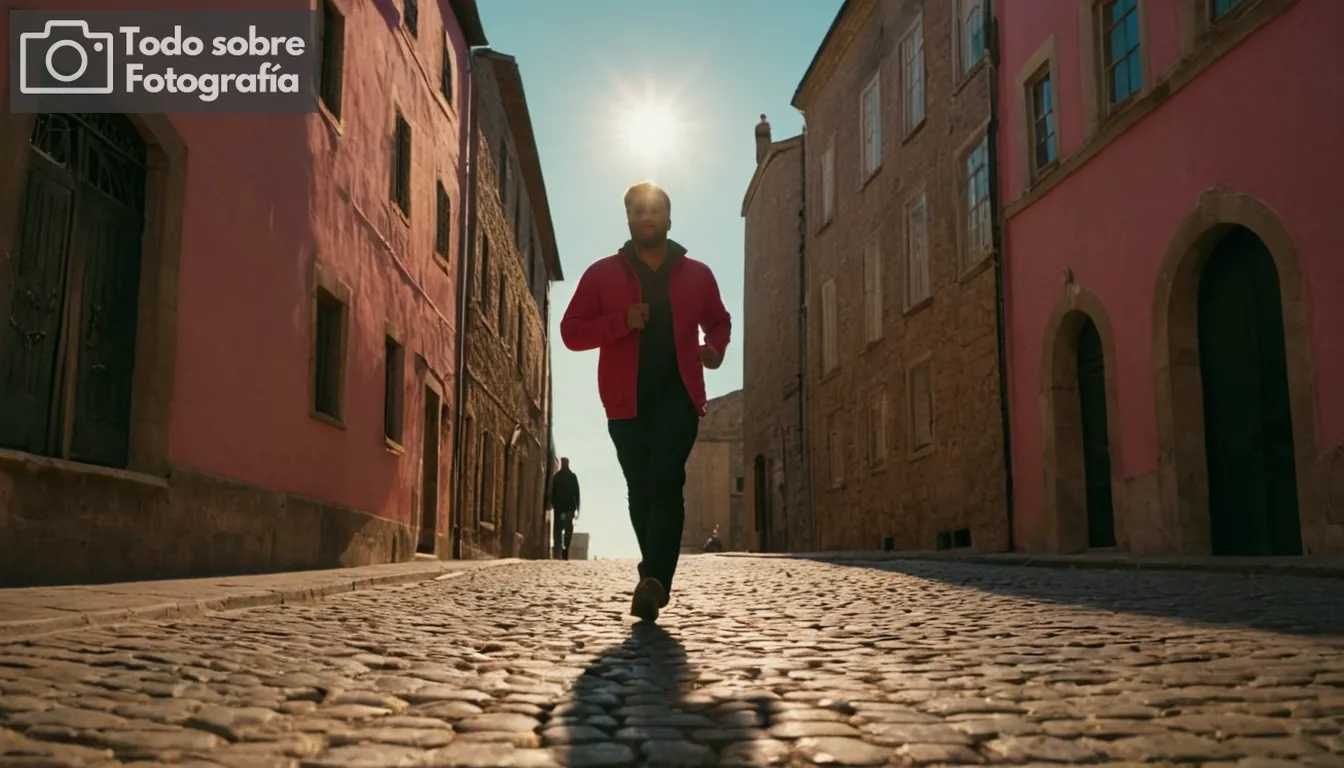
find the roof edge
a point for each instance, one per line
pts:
(469, 18)
(821, 49)
(776, 149)
(510, 80)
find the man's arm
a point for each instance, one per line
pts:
(584, 327)
(576, 497)
(716, 322)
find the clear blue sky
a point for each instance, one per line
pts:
(716, 65)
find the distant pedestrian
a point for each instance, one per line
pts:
(644, 308)
(565, 501)
(713, 544)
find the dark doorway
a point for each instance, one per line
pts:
(429, 474)
(67, 350)
(761, 499)
(1248, 428)
(1096, 440)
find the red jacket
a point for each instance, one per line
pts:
(596, 319)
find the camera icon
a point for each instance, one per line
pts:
(65, 58)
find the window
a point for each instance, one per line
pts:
(485, 494)
(830, 357)
(835, 451)
(917, 287)
(518, 221)
(485, 273)
(1120, 44)
(970, 47)
(329, 354)
(870, 106)
(872, 292)
(828, 183)
(921, 406)
(444, 214)
(739, 484)
(333, 58)
(1040, 97)
(912, 76)
(518, 339)
(877, 429)
(532, 281)
(1220, 8)
(394, 365)
(979, 227)
(401, 165)
(503, 318)
(410, 12)
(446, 71)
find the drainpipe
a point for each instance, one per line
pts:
(996, 206)
(803, 432)
(466, 225)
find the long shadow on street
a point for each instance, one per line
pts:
(1294, 605)
(641, 691)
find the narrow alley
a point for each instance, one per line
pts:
(758, 661)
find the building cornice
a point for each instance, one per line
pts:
(469, 19)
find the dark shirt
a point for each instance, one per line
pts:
(565, 491)
(659, 374)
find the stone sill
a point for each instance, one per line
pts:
(1322, 566)
(34, 463)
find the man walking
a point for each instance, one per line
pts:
(565, 500)
(644, 309)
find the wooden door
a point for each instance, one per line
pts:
(68, 353)
(429, 473)
(1248, 430)
(1096, 437)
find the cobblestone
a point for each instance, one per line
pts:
(757, 662)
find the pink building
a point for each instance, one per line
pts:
(1175, 290)
(235, 349)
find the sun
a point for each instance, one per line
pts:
(651, 129)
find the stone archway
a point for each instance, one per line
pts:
(151, 385)
(1066, 514)
(1182, 465)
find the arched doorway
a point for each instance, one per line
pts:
(1084, 503)
(67, 357)
(1091, 367)
(1248, 429)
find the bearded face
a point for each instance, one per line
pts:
(650, 220)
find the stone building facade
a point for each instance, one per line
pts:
(714, 482)
(505, 436)
(1177, 386)
(259, 375)
(904, 409)
(778, 491)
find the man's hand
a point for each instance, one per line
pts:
(637, 316)
(710, 357)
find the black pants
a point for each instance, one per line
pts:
(564, 532)
(652, 449)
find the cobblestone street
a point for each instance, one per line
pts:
(756, 662)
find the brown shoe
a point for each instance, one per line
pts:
(647, 599)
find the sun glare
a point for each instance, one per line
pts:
(651, 130)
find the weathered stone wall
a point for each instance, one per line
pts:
(957, 483)
(770, 358)
(506, 366)
(710, 473)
